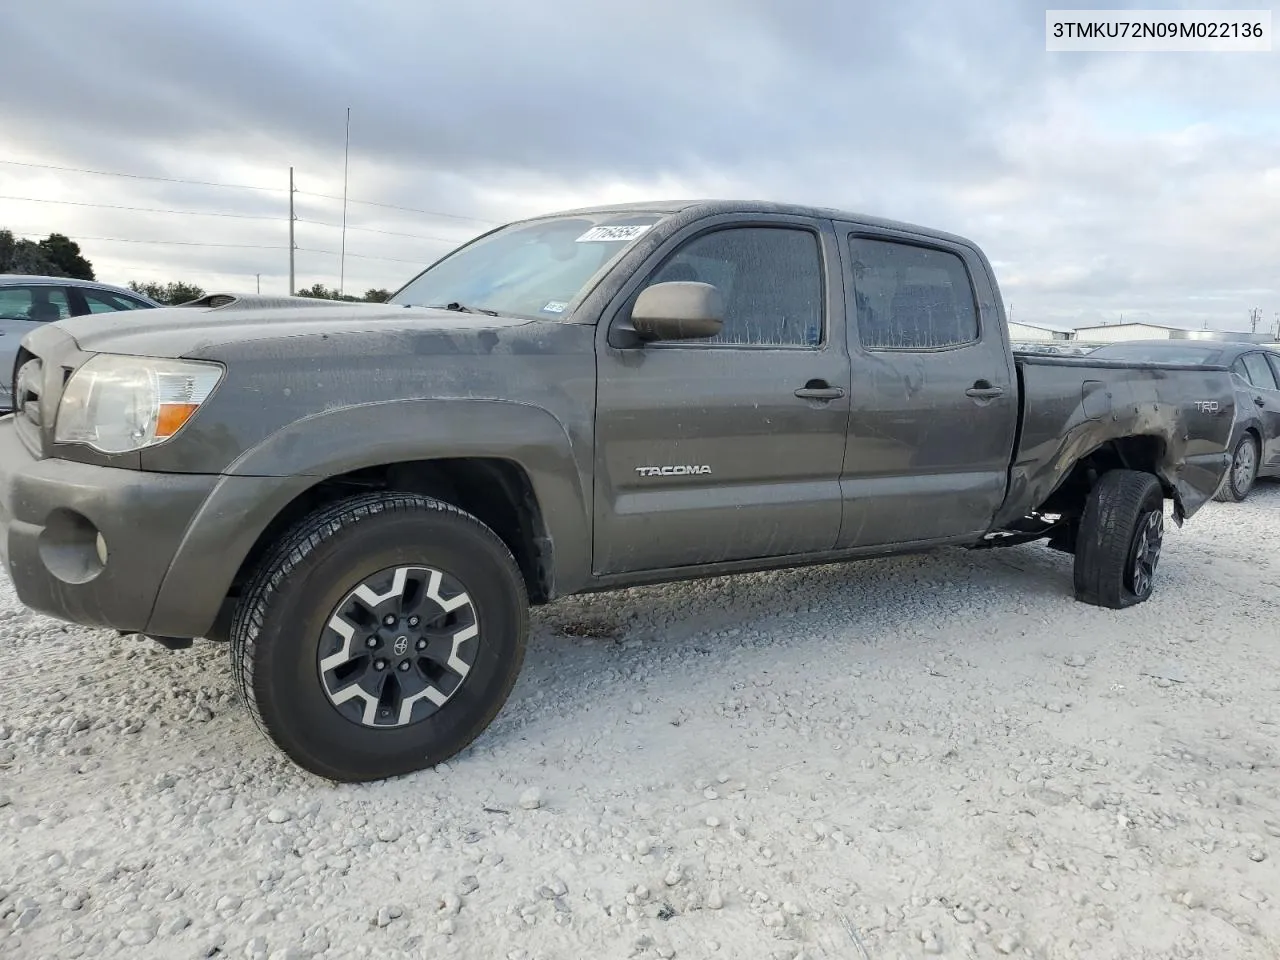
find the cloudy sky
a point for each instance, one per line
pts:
(1101, 185)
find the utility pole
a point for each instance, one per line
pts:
(1254, 316)
(342, 250)
(292, 246)
(258, 277)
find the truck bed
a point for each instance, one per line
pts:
(1072, 406)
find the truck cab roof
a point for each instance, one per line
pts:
(713, 207)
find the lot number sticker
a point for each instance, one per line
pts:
(627, 231)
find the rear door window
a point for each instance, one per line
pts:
(1260, 373)
(911, 297)
(35, 302)
(103, 301)
(1274, 360)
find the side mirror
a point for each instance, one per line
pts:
(678, 310)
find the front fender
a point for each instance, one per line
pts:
(265, 479)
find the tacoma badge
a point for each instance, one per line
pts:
(673, 471)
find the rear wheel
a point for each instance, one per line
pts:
(1243, 471)
(1121, 534)
(381, 636)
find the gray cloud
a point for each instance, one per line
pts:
(1099, 184)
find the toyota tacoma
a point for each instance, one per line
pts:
(364, 499)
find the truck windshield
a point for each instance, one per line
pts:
(533, 269)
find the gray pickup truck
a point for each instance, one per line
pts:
(365, 499)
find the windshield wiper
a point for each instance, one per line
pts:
(463, 308)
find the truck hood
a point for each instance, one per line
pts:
(221, 320)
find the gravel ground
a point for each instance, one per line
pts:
(929, 755)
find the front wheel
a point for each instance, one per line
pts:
(1243, 472)
(381, 636)
(1121, 533)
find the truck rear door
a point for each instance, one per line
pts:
(934, 405)
(727, 448)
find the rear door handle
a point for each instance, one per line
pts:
(1259, 401)
(983, 390)
(819, 390)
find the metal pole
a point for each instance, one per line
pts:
(292, 288)
(342, 250)
(258, 277)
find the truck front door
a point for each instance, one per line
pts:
(934, 406)
(727, 448)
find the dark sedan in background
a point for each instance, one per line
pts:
(1255, 441)
(26, 301)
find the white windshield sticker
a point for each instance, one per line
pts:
(554, 306)
(626, 231)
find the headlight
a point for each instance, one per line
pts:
(119, 404)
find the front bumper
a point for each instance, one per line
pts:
(51, 515)
(174, 541)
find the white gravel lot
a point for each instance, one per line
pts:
(927, 755)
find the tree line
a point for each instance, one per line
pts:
(180, 292)
(54, 256)
(59, 256)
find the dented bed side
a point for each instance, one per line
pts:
(1073, 406)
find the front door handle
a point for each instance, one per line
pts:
(1259, 401)
(983, 390)
(819, 390)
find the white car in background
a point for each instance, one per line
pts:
(26, 301)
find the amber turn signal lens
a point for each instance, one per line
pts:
(172, 417)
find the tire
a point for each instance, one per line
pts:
(1121, 533)
(308, 635)
(1243, 472)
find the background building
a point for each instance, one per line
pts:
(1038, 332)
(1112, 332)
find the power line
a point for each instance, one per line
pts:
(175, 243)
(110, 206)
(242, 186)
(234, 216)
(392, 206)
(139, 176)
(360, 256)
(240, 246)
(389, 233)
